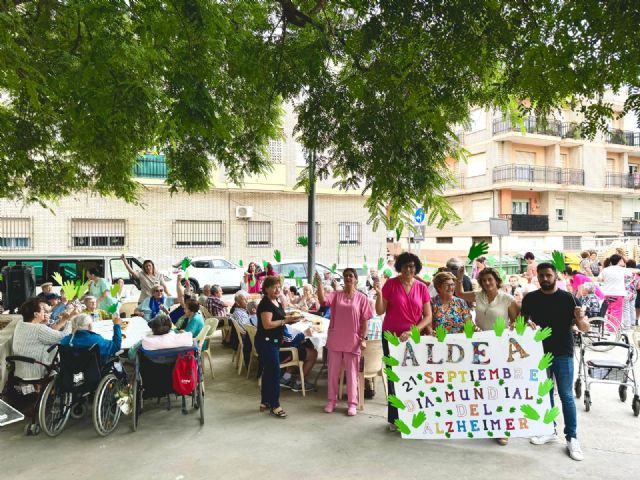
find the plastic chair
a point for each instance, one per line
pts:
(225, 324)
(251, 333)
(370, 367)
(212, 323)
(205, 313)
(237, 355)
(294, 362)
(200, 339)
(127, 309)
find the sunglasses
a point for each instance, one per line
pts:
(158, 291)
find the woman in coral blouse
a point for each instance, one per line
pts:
(405, 303)
(350, 312)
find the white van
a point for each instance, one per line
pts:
(71, 267)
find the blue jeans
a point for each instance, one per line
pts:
(562, 370)
(269, 351)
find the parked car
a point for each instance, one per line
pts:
(299, 267)
(212, 271)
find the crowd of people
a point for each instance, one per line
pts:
(396, 302)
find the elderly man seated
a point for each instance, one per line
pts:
(45, 289)
(156, 303)
(91, 304)
(206, 293)
(82, 336)
(214, 303)
(162, 337)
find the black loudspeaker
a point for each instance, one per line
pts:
(19, 284)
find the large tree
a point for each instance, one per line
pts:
(378, 86)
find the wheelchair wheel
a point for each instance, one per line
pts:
(622, 391)
(54, 409)
(79, 410)
(578, 388)
(106, 412)
(587, 401)
(135, 398)
(32, 429)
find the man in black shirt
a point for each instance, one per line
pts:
(559, 310)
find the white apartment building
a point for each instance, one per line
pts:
(557, 190)
(244, 222)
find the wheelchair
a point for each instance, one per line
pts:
(152, 378)
(79, 377)
(25, 395)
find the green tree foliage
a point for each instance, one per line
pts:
(380, 88)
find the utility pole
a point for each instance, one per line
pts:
(311, 218)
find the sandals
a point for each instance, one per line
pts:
(264, 407)
(278, 412)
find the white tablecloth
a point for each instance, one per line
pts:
(134, 332)
(319, 340)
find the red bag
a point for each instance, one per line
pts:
(185, 374)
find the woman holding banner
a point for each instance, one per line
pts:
(449, 311)
(491, 303)
(405, 303)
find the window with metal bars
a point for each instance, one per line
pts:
(275, 150)
(258, 234)
(198, 233)
(302, 231)
(572, 243)
(349, 233)
(16, 233)
(98, 233)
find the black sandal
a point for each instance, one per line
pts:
(278, 412)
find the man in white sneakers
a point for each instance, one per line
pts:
(557, 309)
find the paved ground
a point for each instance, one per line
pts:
(238, 442)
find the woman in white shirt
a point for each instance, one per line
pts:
(613, 287)
(491, 301)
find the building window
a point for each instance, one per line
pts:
(572, 243)
(444, 239)
(477, 165)
(198, 233)
(16, 233)
(349, 233)
(477, 120)
(481, 210)
(636, 216)
(418, 236)
(98, 233)
(520, 207)
(275, 150)
(258, 234)
(560, 214)
(302, 231)
(481, 239)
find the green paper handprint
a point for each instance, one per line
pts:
(521, 326)
(558, 260)
(542, 334)
(477, 250)
(545, 361)
(530, 412)
(441, 333)
(469, 328)
(415, 334)
(499, 326)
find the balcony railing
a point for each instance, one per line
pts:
(527, 223)
(529, 125)
(150, 166)
(623, 180)
(631, 227)
(528, 173)
(623, 137)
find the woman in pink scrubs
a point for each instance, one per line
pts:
(405, 303)
(350, 312)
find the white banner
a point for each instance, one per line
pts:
(486, 386)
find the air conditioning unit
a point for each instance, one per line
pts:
(244, 212)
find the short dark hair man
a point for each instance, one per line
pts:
(551, 307)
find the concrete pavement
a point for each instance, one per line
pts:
(238, 442)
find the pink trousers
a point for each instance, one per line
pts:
(336, 362)
(614, 312)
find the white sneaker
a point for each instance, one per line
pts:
(575, 452)
(541, 440)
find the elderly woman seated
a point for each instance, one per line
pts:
(308, 301)
(82, 336)
(163, 337)
(158, 302)
(449, 311)
(33, 337)
(590, 299)
(92, 309)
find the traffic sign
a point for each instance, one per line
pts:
(419, 216)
